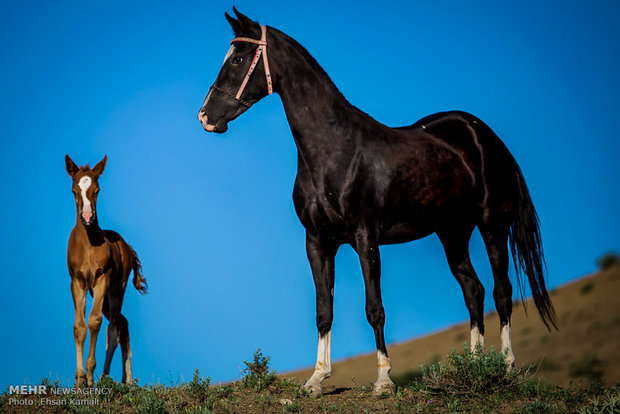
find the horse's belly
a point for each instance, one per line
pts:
(403, 232)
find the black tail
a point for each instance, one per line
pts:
(139, 281)
(527, 252)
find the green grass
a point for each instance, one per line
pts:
(477, 382)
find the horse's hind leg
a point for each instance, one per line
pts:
(496, 241)
(111, 333)
(123, 333)
(455, 242)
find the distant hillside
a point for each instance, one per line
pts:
(585, 349)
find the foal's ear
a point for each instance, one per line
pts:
(70, 165)
(98, 169)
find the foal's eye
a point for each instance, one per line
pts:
(236, 60)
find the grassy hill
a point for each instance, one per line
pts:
(582, 357)
(585, 349)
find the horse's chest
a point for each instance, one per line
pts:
(320, 211)
(91, 262)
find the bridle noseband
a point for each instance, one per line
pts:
(261, 50)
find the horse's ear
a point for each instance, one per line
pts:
(247, 25)
(98, 169)
(236, 26)
(70, 165)
(243, 19)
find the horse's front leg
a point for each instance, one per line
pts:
(79, 292)
(322, 257)
(368, 250)
(94, 323)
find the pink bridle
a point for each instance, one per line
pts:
(261, 50)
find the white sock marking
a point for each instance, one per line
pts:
(323, 367)
(384, 366)
(476, 338)
(507, 343)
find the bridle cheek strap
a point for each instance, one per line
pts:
(261, 50)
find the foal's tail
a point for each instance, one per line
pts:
(527, 252)
(139, 282)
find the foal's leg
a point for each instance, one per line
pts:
(368, 251)
(110, 312)
(79, 292)
(94, 323)
(456, 245)
(322, 257)
(118, 332)
(496, 242)
(123, 331)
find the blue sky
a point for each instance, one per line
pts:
(211, 216)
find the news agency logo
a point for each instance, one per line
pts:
(45, 390)
(79, 396)
(28, 389)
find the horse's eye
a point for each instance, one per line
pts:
(236, 60)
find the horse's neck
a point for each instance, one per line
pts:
(92, 234)
(320, 117)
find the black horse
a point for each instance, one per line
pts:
(366, 184)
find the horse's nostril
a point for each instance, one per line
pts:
(202, 116)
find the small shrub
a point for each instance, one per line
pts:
(608, 260)
(198, 387)
(587, 288)
(607, 403)
(292, 408)
(547, 364)
(116, 388)
(587, 366)
(407, 378)
(257, 374)
(143, 401)
(472, 372)
(538, 407)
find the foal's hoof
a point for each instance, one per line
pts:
(80, 380)
(313, 389)
(378, 390)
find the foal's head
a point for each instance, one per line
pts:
(232, 94)
(85, 188)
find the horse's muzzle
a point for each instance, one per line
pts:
(219, 127)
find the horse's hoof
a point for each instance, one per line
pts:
(313, 389)
(378, 390)
(510, 362)
(80, 380)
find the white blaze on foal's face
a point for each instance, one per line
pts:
(87, 210)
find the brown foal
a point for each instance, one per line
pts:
(99, 261)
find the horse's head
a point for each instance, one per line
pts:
(242, 80)
(85, 188)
